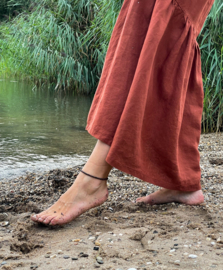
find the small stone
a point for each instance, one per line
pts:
(34, 267)
(97, 233)
(175, 245)
(3, 263)
(3, 216)
(96, 265)
(76, 240)
(106, 218)
(84, 255)
(208, 239)
(99, 260)
(92, 238)
(74, 259)
(132, 269)
(96, 248)
(212, 243)
(149, 263)
(66, 257)
(155, 231)
(192, 256)
(172, 250)
(4, 223)
(97, 243)
(53, 256)
(59, 252)
(47, 256)
(177, 262)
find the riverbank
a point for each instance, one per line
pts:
(119, 234)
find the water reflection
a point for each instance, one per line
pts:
(40, 129)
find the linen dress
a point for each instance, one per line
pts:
(149, 100)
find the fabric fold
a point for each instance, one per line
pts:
(149, 100)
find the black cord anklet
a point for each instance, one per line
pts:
(94, 176)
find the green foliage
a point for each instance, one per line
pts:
(211, 45)
(10, 8)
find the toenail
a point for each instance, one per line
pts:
(40, 219)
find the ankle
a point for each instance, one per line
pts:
(100, 171)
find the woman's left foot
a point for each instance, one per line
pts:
(84, 194)
(167, 196)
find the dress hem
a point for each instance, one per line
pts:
(140, 175)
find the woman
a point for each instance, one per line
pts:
(146, 113)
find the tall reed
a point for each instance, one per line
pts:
(211, 45)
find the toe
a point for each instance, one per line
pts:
(54, 221)
(48, 219)
(34, 218)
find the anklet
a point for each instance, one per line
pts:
(94, 176)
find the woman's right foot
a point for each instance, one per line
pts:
(85, 193)
(167, 196)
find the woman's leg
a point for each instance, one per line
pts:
(85, 193)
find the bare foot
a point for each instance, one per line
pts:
(166, 196)
(85, 193)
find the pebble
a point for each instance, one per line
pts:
(155, 231)
(76, 240)
(97, 243)
(74, 258)
(132, 269)
(59, 252)
(66, 257)
(92, 238)
(84, 255)
(96, 265)
(213, 243)
(172, 250)
(3, 216)
(47, 256)
(99, 260)
(192, 256)
(97, 233)
(4, 223)
(34, 267)
(3, 263)
(96, 248)
(53, 256)
(177, 262)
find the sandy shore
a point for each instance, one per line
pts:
(119, 234)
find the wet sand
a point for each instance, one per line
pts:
(119, 234)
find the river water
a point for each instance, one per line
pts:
(41, 130)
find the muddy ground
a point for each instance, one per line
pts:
(119, 234)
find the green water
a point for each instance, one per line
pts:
(41, 129)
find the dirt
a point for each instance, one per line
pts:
(119, 234)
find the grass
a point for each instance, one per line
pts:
(211, 46)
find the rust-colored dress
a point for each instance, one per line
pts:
(149, 101)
